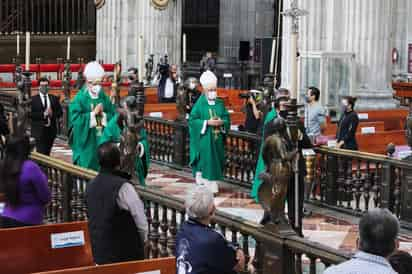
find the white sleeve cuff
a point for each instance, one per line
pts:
(104, 119)
(204, 127)
(141, 149)
(93, 122)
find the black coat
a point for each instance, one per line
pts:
(38, 122)
(347, 126)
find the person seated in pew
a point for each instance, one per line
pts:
(199, 248)
(117, 222)
(24, 185)
(348, 123)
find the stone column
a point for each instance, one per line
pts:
(362, 27)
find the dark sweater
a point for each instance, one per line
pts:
(347, 126)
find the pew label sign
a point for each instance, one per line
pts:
(67, 239)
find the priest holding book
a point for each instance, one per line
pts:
(209, 122)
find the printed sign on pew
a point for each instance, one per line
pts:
(150, 272)
(67, 239)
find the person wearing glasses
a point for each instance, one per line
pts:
(168, 89)
(89, 112)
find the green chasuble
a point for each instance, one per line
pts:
(260, 167)
(207, 149)
(113, 132)
(83, 139)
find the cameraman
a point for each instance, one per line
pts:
(253, 114)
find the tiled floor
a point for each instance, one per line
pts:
(323, 226)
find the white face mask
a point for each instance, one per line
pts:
(95, 89)
(211, 95)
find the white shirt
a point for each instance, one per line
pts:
(129, 200)
(42, 99)
(169, 88)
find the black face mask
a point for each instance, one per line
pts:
(283, 113)
(131, 78)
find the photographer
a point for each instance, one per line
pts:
(253, 114)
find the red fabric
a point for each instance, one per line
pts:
(51, 67)
(32, 67)
(108, 67)
(7, 68)
(76, 67)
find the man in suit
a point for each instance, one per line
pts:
(46, 111)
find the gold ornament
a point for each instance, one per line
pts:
(99, 3)
(160, 4)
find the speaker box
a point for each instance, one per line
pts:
(244, 49)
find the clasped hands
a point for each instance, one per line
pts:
(98, 109)
(215, 122)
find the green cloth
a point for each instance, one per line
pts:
(207, 151)
(83, 139)
(260, 166)
(113, 132)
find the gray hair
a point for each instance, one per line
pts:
(378, 230)
(198, 201)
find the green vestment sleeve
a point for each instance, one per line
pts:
(260, 166)
(207, 143)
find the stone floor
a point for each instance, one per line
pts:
(324, 226)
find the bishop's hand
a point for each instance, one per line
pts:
(215, 122)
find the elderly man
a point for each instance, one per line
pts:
(199, 248)
(378, 230)
(89, 113)
(168, 88)
(117, 222)
(209, 121)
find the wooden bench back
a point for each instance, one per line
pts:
(379, 126)
(163, 265)
(28, 249)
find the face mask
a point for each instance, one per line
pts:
(344, 106)
(43, 89)
(95, 89)
(211, 95)
(283, 114)
(131, 77)
(307, 99)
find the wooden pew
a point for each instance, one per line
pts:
(28, 249)
(164, 265)
(376, 143)
(394, 119)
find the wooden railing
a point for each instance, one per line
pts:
(348, 181)
(165, 215)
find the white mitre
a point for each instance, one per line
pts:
(208, 80)
(93, 71)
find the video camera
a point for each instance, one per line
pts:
(251, 93)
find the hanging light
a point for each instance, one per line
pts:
(160, 4)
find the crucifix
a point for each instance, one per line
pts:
(292, 118)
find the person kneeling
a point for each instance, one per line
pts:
(117, 222)
(199, 248)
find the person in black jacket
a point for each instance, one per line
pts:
(46, 112)
(348, 123)
(117, 222)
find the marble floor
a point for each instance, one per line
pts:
(323, 226)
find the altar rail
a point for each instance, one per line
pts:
(349, 181)
(166, 213)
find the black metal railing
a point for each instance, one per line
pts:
(165, 214)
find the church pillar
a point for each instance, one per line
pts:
(362, 27)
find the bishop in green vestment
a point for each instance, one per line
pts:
(89, 112)
(209, 122)
(113, 132)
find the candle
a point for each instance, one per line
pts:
(116, 55)
(27, 51)
(68, 48)
(272, 56)
(294, 65)
(18, 44)
(184, 48)
(166, 45)
(140, 57)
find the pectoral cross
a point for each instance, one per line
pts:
(213, 116)
(99, 127)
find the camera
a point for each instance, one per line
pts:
(247, 95)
